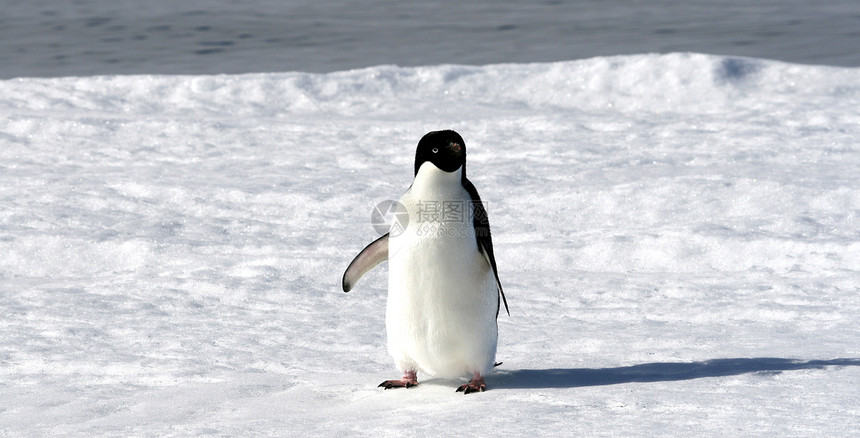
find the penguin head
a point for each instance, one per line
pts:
(445, 149)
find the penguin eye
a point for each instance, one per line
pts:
(434, 150)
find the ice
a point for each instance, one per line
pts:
(677, 236)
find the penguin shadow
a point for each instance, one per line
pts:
(655, 372)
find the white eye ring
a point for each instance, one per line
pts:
(434, 150)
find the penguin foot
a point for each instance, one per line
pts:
(475, 385)
(410, 379)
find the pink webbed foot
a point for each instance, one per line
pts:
(410, 379)
(475, 385)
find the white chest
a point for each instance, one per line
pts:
(442, 299)
(440, 226)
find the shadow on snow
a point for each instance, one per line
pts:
(655, 372)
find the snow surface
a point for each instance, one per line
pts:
(677, 235)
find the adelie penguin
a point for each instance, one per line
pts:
(444, 292)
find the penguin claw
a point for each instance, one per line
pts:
(475, 385)
(403, 383)
(410, 379)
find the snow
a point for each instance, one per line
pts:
(677, 235)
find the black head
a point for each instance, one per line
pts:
(446, 149)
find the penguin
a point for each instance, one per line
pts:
(444, 292)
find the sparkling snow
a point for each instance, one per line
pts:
(678, 236)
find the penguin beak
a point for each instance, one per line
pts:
(455, 147)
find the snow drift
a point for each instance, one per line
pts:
(678, 237)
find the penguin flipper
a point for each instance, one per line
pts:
(481, 223)
(367, 259)
(492, 263)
